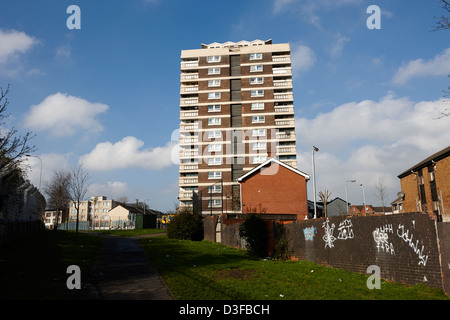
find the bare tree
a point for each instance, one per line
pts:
(381, 193)
(78, 187)
(324, 196)
(12, 146)
(444, 22)
(57, 191)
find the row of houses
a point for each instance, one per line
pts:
(279, 190)
(103, 213)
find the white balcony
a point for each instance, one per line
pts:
(282, 71)
(285, 149)
(189, 114)
(285, 122)
(284, 109)
(188, 76)
(283, 96)
(188, 89)
(283, 59)
(282, 83)
(187, 181)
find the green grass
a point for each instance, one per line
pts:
(133, 233)
(35, 267)
(210, 271)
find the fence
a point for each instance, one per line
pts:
(408, 248)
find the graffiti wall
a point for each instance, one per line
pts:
(403, 246)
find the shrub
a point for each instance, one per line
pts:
(186, 226)
(254, 231)
(281, 250)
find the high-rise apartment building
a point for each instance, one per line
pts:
(236, 111)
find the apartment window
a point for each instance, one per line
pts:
(256, 80)
(259, 146)
(215, 189)
(214, 108)
(255, 56)
(257, 68)
(214, 95)
(213, 59)
(215, 203)
(214, 161)
(213, 70)
(259, 133)
(214, 134)
(258, 119)
(257, 93)
(215, 175)
(259, 159)
(213, 83)
(214, 148)
(214, 121)
(258, 106)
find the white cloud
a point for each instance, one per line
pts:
(14, 43)
(369, 140)
(50, 162)
(110, 189)
(303, 58)
(438, 66)
(63, 115)
(128, 153)
(338, 46)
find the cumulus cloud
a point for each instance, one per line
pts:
(370, 140)
(14, 43)
(303, 58)
(438, 66)
(128, 153)
(49, 163)
(110, 189)
(63, 115)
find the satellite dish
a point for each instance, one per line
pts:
(400, 194)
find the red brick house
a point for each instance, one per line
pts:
(426, 186)
(274, 188)
(359, 209)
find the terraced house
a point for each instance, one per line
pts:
(236, 111)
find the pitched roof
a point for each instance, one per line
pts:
(433, 158)
(269, 161)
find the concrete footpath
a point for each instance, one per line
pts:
(122, 271)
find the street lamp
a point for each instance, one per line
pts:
(346, 194)
(364, 197)
(314, 180)
(40, 173)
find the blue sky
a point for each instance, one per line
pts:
(108, 94)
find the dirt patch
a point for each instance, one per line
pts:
(235, 273)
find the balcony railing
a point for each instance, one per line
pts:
(189, 76)
(283, 96)
(190, 126)
(190, 114)
(286, 150)
(188, 180)
(188, 89)
(285, 59)
(284, 71)
(282, 83)
(189, 101)
(284, 109)
(285, 122)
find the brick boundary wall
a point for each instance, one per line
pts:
(408, 248)
(404, 246)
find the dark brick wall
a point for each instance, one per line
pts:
(209, 227)
(404, 246)
(444, 247)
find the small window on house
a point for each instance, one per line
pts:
(214, 108)
(258, 119)
(213, 59)
(215, 175)
(213, 83)
(255, 56)
(258, 106)
(214, 121)
(213, 70)
(256, 80)
(257, 68)
(214, 95)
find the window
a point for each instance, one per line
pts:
(257, 93)
(256, 80)
(255, 56)
(215, 189)
(258, 106)
(214, 161)
(259, 159)
(214, 134)
(213, 70)
(257, 68)
(215, 203)
(214, 121)
(215, 175)
(213, 59)
(258, 119)
(214, 95)
(259, 133)
(214, 148)
(259, 146)
(214, 108)
(213, 83)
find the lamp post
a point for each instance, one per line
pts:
(346, 194)
(364, 197)
(40, 173)
(314, 180)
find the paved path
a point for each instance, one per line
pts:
(122, 272)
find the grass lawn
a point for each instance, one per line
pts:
(133, 233)
(211, 271)
(35, 267)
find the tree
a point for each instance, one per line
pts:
(78, 187)
(381, 193)
(324, 196)
(12, 146)
(58, 193)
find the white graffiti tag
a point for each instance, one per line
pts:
(381, 237)
(404, 234)
(328, 236)
(345, 230)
